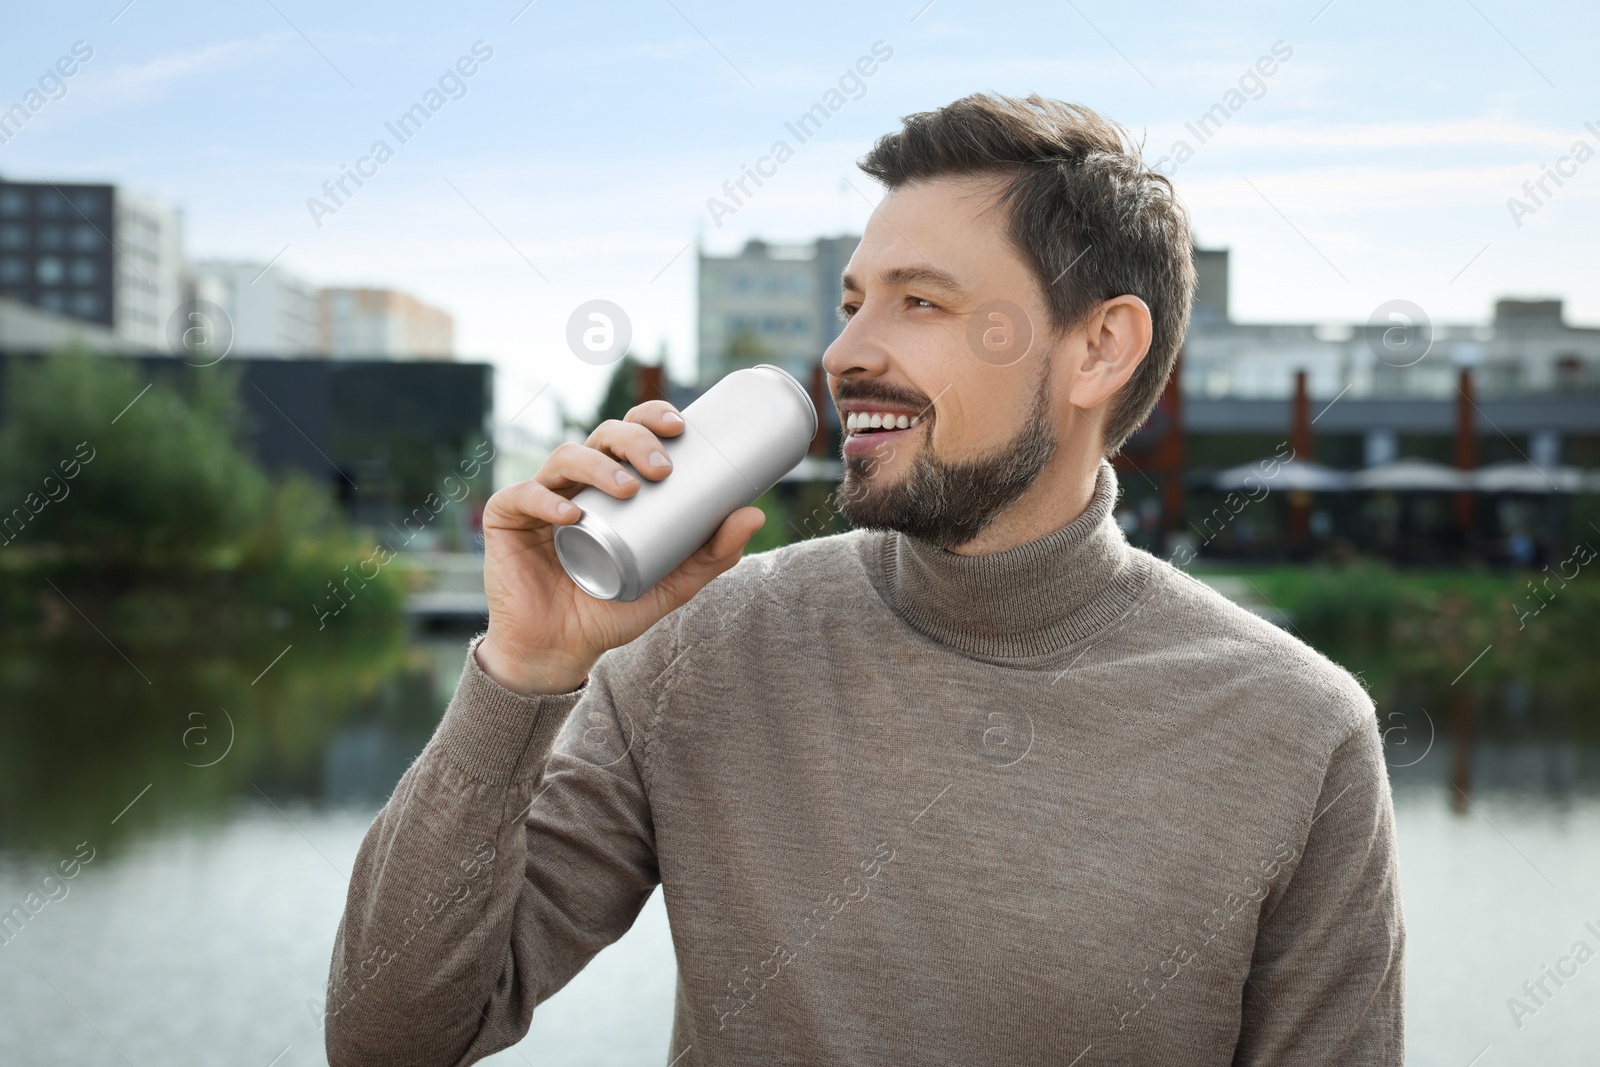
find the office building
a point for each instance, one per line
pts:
(1526, 348)
(271, 310)
(149, 269)
(382, 324)
(770, 303)
(93, 252)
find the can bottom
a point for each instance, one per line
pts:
(589, 562)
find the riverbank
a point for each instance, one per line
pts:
(1477, 628)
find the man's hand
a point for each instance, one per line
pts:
(544, 632)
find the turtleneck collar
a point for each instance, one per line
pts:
(1022, 603)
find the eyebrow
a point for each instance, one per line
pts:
(932, 277)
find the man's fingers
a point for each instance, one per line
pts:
(635, 443)
(661, 417)
(528, 504)
(579, 465)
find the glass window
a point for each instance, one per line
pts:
(86, 238)
(86, 305)
(13, 235)
(84, 272)
(89, 201)
(13, 202)
(49, 270)
(52, 203)
(54, 300)
(798, 325)
(741, 283)
(52, 238)
(769, 325)
(13, 269)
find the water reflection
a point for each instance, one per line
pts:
(201, 928)
(84, 734)
(1516, 738)
(200, 931)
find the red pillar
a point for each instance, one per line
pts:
(1300, 442)
(649, 383)
(823, 400)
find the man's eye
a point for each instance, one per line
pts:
(848, 310)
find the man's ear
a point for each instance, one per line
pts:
(1116, 338)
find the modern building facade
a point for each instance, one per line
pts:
(55, 249)
(1527, 347)
(1526, 350)
(150, 268)
(382, 324)
(271, 310)
(770, 303)
(1417, 440)
(93, 252)
(99, 255)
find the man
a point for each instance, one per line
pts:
(977, 782)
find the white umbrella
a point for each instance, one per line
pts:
(1417, 475)
(1289, 474)
(1514, 477)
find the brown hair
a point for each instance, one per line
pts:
(1089, 218)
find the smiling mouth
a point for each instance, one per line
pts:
(858, 423)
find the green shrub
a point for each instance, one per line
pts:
(139, 495)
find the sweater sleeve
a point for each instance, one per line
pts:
(516, 846)
(1326, 980)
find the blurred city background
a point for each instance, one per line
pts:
(251, 410)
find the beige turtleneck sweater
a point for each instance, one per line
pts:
(1056, 804)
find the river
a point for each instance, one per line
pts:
(209, 822)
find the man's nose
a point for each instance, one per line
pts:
(855, 352)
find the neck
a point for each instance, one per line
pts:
(1061, 493)
(1032, 599)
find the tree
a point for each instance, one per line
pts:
(620, 393)
(119, 470)
(128, 488)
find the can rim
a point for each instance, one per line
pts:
(615, 549)
(810, 405)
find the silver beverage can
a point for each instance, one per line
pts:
(739, 438)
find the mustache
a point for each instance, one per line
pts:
(881, 392)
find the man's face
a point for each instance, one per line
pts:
(947, 329)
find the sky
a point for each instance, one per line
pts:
(1377, 160)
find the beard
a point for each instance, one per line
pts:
(949, 503)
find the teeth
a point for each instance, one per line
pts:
(861, 421)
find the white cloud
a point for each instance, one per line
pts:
(108, 84)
